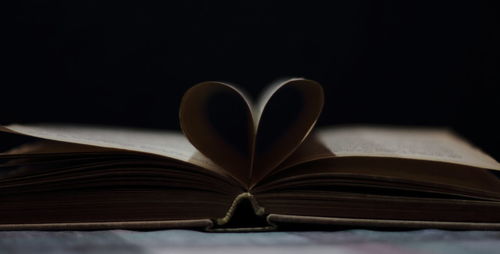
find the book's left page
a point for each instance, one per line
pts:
(168, 144)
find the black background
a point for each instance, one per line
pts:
(381, 62)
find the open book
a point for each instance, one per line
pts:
(240, 166)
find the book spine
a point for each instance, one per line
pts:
(244, 214)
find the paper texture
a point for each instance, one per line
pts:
(164, 143)
(216, 119)
(288, 112)
(412, 143)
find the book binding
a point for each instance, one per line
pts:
(244, 214)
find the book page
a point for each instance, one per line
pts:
(266, 95)
(164, 143)
(216, 118)
(412, 143)
(249, 140)
(287, 112)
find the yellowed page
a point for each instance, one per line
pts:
(301, 101)
(412, 143)
(164, 143)
(234, 152)
(266, 95)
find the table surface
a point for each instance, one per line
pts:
(187, 241)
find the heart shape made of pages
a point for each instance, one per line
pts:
(250, 141)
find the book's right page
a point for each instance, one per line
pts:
(423, 156)
(431, 144)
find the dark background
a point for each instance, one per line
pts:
(128, 63)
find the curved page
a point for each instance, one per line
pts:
(287, 114)
(429, 144)
(216, 118)
(164, 143)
